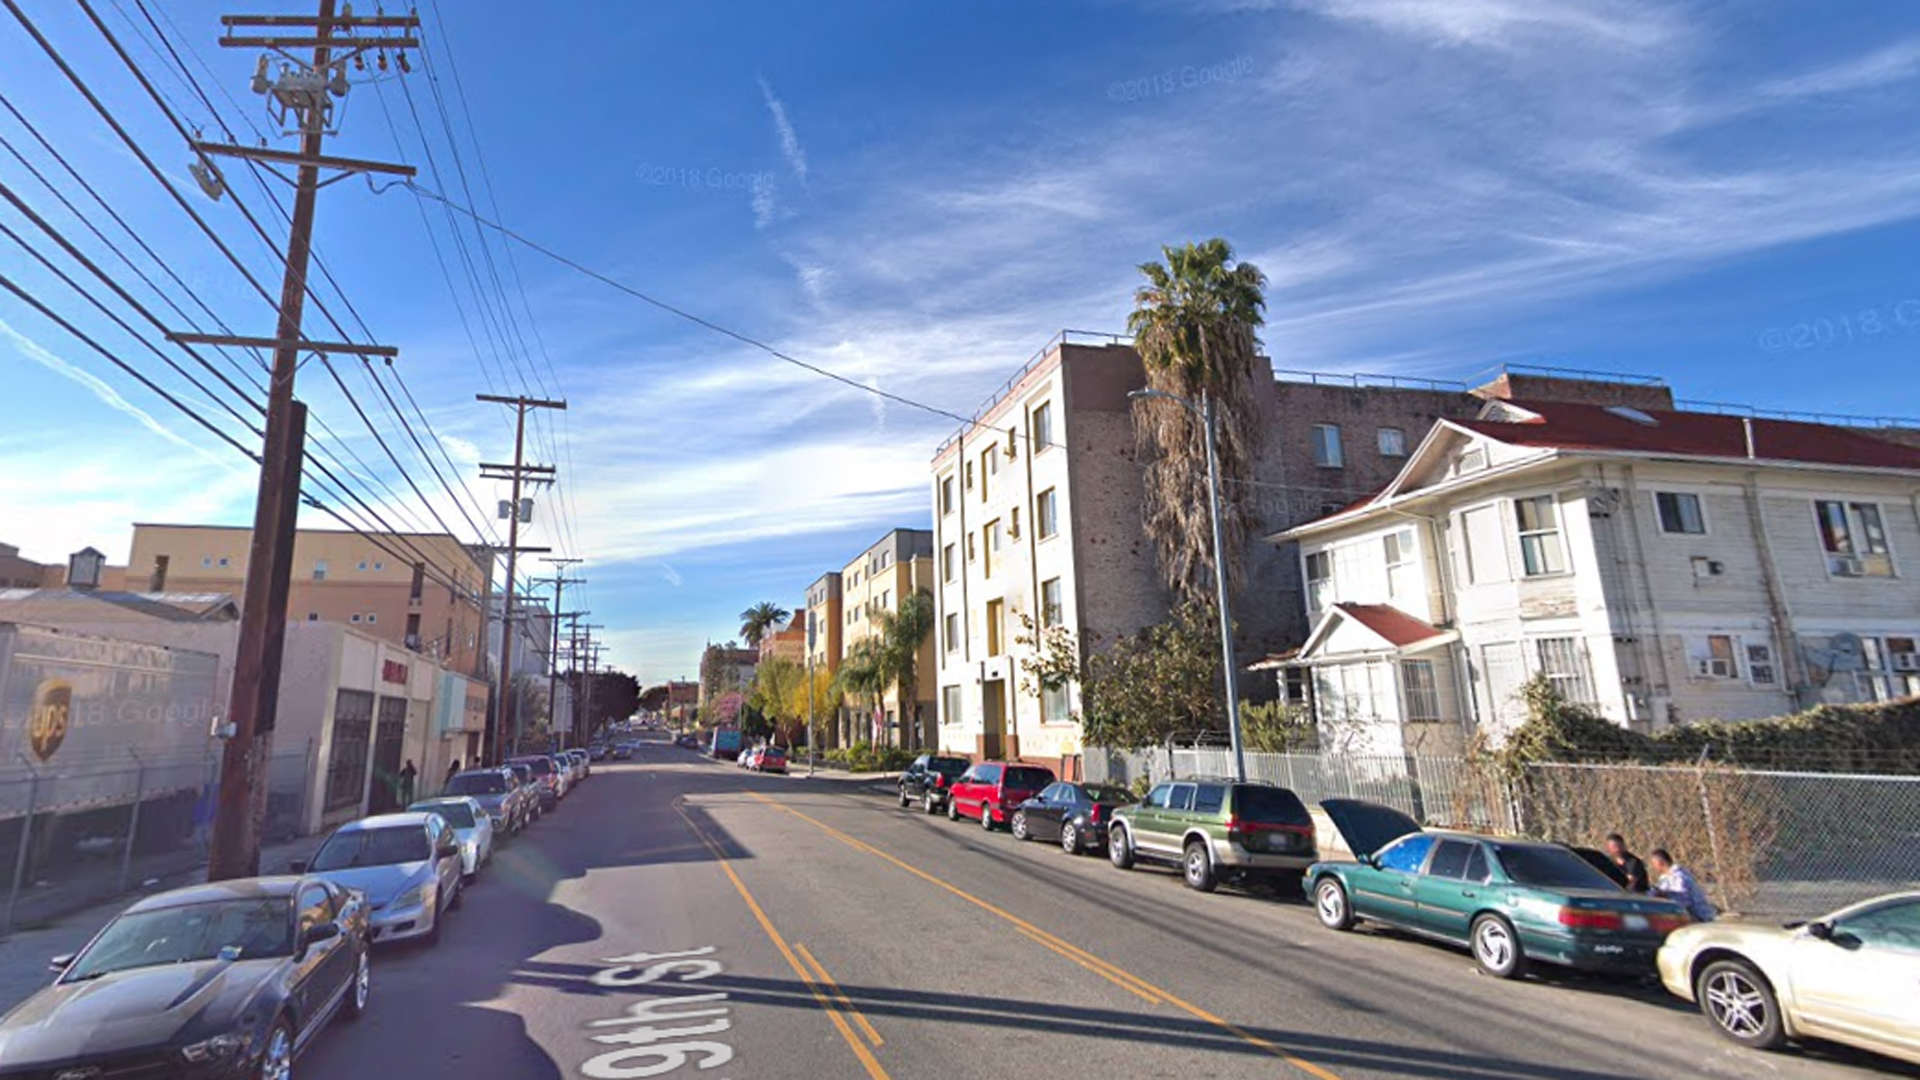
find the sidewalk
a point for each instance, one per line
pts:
(24, 955)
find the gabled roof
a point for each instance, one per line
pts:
(55, 605)
(1670, 433)
(1396, 630)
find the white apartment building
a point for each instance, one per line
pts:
(1659, 566)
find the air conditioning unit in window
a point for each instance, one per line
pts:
(1846, 565)
(1713, 667)
(1905, 661)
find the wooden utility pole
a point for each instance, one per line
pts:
(300, 93)
(499, 732)
(559, 581)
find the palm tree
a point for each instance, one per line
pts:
(758, 619)
(1194, 324)
(902, 632)
(863, 675)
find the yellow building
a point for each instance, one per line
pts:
(420, 591)
(875, 582)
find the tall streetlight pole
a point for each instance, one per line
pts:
(1205, 411)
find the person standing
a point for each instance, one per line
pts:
(407, 775)
(453, 770)
(1630, 865)
(1678, 884)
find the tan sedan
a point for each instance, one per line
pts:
(1852, 977)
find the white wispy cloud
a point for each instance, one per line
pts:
(790, 147)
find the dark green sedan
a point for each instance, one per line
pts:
(1509, 901)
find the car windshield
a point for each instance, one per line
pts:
(1270, 804)
(948, 767)
(1107, 793)
(1547, 866)
(187, 934)
(539, 768)
(477, 784)
(372, 847)
(457, 814)
(1024, 779)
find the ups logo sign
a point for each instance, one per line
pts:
(52, 713)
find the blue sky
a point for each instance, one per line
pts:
(919, 196)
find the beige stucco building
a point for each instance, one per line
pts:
(897, 566)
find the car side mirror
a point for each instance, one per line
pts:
(1821, 930)
(62, 962)
(297, 866)
(319, 932)
(448, 850)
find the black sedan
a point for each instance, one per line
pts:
(222, 980)
(1076, 815)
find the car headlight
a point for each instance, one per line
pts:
(416, 897)
(216, 1048)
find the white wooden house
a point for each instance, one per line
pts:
(1658, 566)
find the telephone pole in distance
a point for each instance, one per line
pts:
(515, 512)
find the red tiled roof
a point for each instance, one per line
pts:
(1399, 628)
(1572, 426)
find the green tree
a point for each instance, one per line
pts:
(777, 684)
(863, 678)
(902, 633)
(1194, 323)
(758, 619)
(1158, 682)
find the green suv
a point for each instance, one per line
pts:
(1215, 829)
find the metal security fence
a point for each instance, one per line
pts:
(85, 832)
(1767, 843)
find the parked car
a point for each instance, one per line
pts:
(538, 797)
(622, 751)
(991, 790)
(1075, 815)
(407, 864)
(928, 780)
(1509, 901)
(228, 979)
(499, 794)
(745, 755)
(550, 777)
(582, 761)
(1850, 977)
(687, 742)
(768, 759)
(597, 751)
(471, 827)
(1217, 829)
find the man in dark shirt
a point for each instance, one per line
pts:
(1629, 863)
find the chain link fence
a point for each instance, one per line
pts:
(89, 831)
(1765, 842)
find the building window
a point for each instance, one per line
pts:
(1042, 426)
(1680, 513)
(970, 548)
(992, 537)
(206, 562)
(996, 626)
(1564, 663)
(224, 561)
(1393, 442)
(379, 566)
(362, 566)
(989, 467)
(320, 570)
(313, 616)
(1055, 705)
(1013, 523)
(1760, 668)
(372, 618)
(949, 705)
(354, 618)
(1420, 691)
(1539, 522)
(946, 562)
(1400, 566)
(347, 763)
(1326, 446)
(1713, 657)
(1047, 511)
(946, 495)
(1053, 611)
(1855, 539)
(953, 632)
(969, 472)
(1319, 580)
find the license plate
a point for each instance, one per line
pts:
(1280, 842)
(1635, 922)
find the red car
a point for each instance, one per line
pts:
(992, 790)
(768, 759)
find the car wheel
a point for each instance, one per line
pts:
(1119, 850)
(459, 894)
(986, 817)
(1069, 838)
(276, 1060)
(1741, 1004)
(432, 936)
(931, 806)
(953, 810)
(903, 798)
(1496, 948)
(1198, 867)
(362, 987)
(1331, 904)
(1019, 826)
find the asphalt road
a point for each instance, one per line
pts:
(825, 933)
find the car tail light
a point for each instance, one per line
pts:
(1094, 815)
(1589, 919)
(939, 781)
(1667, 924)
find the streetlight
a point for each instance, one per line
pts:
(1204, 410)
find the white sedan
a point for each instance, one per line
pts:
(471, 826)
(1852, 977)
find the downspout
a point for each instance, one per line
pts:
(1799, 686)
(1646, 588)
